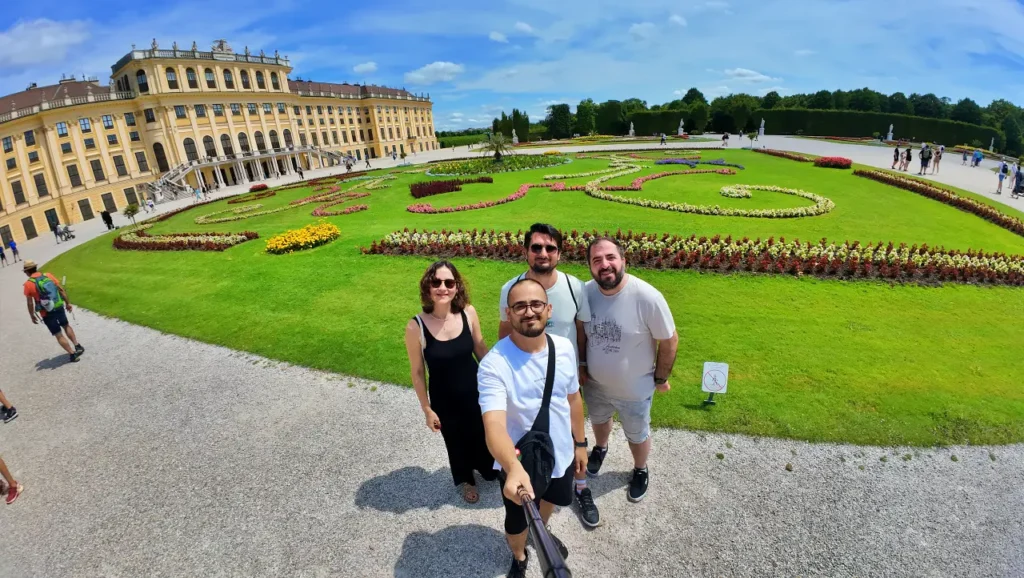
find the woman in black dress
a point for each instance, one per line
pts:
(445, 343)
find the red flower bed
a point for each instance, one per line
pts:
(833, 162)
(823, 259)
(987, 212)
(259, 187)
(246, 198)
(322, 211)
(427, 208)
(783, 154)
(428, 188)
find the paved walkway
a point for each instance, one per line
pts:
(187, 459)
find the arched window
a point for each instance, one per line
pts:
(225, 144)
(161, 157)
(125, 83)
(229, 81)
(211, 78)
(190, 150)
(261, 145)
(274, 82)
(193, 80)
(172, 79)
(287, 138)
(140, 80)
(243, 142)
(245, 79)
(211, 149)
(260, 82)
(274, 143)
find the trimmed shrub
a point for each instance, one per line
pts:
(259, 187)
(833, 162)
(858, 123)
(428, 188)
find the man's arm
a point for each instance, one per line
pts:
(666, 357)
(579, 432)
(63, 294)
(31, 303)
(581, 345)
(504, 451)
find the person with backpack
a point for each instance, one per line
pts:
(1004, 170)
(45, 298)
(895, 157)
(925, 155)
(444, 345)
(543, 244)
(533, 416)
(15, 256)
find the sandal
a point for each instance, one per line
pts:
(470, 494)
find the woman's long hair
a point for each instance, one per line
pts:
(461, 299)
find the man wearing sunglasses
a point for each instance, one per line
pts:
(511, 380)
(569, 310)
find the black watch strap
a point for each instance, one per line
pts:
(581, 444)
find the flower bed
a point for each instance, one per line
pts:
(845, 138)
(723, 255)
(427, 208)
(487, 165)
(783, 154)
(313, 235)
(987, 212)
(821, 205)
(254, 197)
(378, 183)
(692, 163)
(136, 239)
(428, 188)
(257, 188)
(322, 211)
(833, 162)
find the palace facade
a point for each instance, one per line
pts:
(171, 120)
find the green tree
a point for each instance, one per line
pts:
(498, 146)
(821, 100)
(1013, 138)
(927, 105)
(631, 105)
(741, 109)
(900, 104)
(840, 100)
(966, 110)
(559, 121)
(130, 211)
(771, 100)
(523, 126)
(610, 119)
(698, 116)
(997, 111)
(864, 99)
(693, 95)
(586, 117)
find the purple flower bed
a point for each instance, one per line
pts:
(692, 163)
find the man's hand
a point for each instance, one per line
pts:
(35, 319)
(67, 307)
(433, 422)
(516, 481)
(581, 461)
(583, 375)
(663, 387)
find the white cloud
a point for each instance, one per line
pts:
(365, 68)
(642, 30)
(525, 28)
(747, 75)
(456, 115)
(435, 72)
(497, 36)
(40, 41)
(677, 20)
(804, 52)
(779, 89)
(711, 92)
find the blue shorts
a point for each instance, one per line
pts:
(55, 320)
(1001, 177)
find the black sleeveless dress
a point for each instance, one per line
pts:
(452, 390)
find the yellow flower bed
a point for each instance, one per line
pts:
(305, 238)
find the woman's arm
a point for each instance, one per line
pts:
(480, 348)
(418, 373)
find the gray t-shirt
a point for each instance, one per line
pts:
(621, 338)
(564, 305)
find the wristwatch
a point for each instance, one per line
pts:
(581, 444)
(660, 380)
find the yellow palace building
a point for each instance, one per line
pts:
(172, 120)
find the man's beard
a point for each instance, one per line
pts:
(542, 268)
(610, 284)
(529, 332)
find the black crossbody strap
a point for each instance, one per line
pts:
(544, 415)
(572, 294)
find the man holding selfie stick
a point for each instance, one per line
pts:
(533, 418)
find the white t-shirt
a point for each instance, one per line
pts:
(621, 338)
(564, 305)
(512, 380)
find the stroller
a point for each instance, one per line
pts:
(65, 233)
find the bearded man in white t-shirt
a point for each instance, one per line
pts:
(569, 310)
(631, 348)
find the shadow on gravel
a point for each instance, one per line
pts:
(470, 550)
(413, 487)
(53, 362)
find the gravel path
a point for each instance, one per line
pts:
(185, 459)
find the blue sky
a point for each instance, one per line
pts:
(477, 58)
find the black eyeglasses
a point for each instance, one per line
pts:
(436, 283)
(519, 307)
(537, 248)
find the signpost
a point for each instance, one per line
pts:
(715, 380)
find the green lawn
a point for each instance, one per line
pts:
(863, 362)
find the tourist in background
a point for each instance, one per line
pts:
(569, 310)
(11, 487)
(3, 257)
(926, 156)
(46, 299)
(15, 256)
(631, 348)
(910, 157)
(444, 346)
(965, 159)
(937, 159)
(1003, 170)
(7, 410)
(895, 157)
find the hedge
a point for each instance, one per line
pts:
(646, 123)
(858, 123)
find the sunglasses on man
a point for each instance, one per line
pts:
(537, 248)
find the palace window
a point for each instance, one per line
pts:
(260, 82)
(211, 78)
(179, 111)
(97, 170)
(122, 170)
(76, 179)
(62, 129)
(140, 157)
(129, 118)
(200, 110)
(172, 79)
(190, 76)
(85, 125)
(229, 82)
(30, 138)
(149, 114)
(274, 82)
(244, 75)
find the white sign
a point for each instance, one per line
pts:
(716, 377)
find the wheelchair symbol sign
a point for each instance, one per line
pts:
(716, 377)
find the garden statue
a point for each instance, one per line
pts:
(247, 51)
(515, 138)
(681, 131)
(889, 136)
(992, 147)
(631, 133)
(155, 45)
(195, 47)
(174, 46)
(760, 131)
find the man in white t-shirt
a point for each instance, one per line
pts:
(631, 348)
(511, 381)
(569, 310)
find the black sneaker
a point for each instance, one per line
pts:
(638, 485)
(9, 414)
(74, 357)
(518, 569)
(79, 349)
(595, 460)
(587, 508)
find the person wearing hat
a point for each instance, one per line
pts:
(47, 300)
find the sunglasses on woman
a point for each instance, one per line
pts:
(436, 283)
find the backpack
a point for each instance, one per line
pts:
(1006, 169)
(49, 295)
